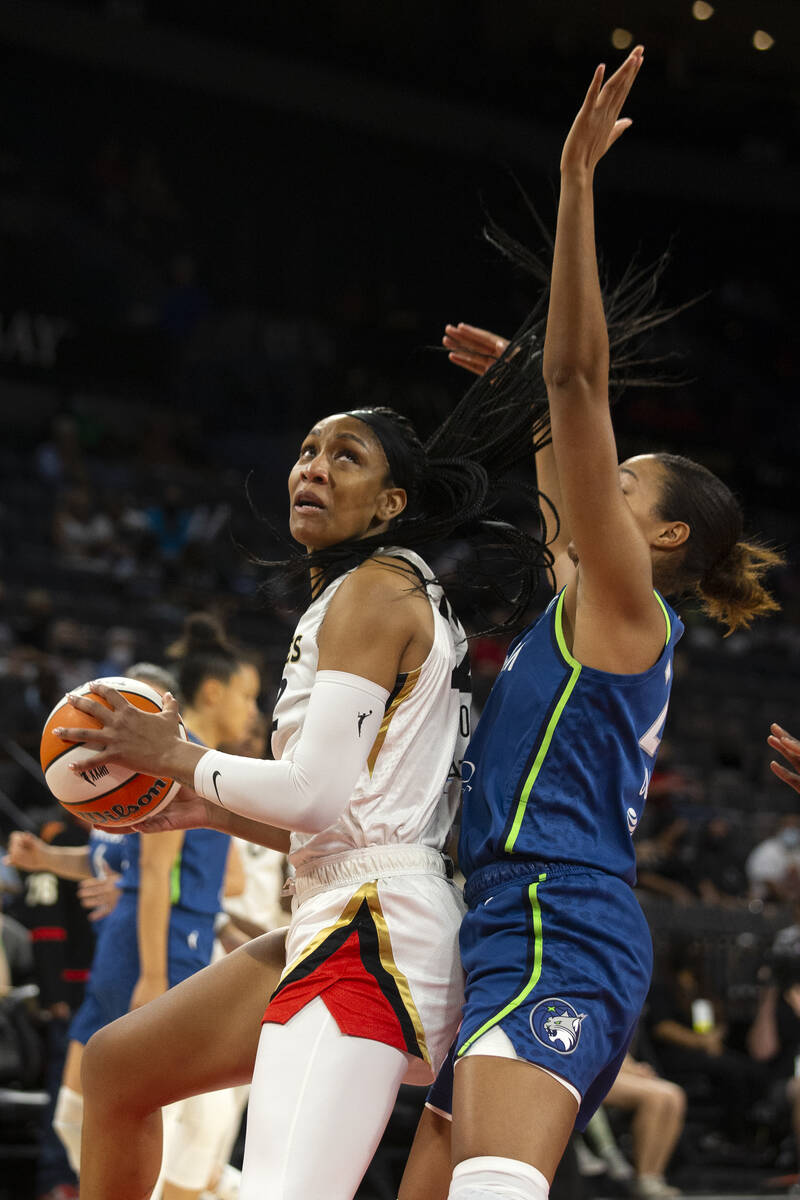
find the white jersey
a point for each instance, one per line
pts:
(409, 790)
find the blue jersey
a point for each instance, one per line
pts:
(107, 851)
(197, 873)
(559, 765)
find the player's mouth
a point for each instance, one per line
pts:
(306, 502)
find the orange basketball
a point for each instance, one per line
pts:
(105, 795)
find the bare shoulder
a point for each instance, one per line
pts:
(381, 581)
(379, 622)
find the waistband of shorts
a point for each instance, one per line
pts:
(494, 875)
(370, 862)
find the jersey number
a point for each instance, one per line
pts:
(651, 738)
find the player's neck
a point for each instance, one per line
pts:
(202, 725)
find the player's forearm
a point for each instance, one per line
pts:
(153, 915)
(576, 338)
(257, 832)
(68, 862)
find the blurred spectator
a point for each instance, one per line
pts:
(688, 1034)
(773, 866)
(719, 867)
(120, 651)
(169, 523)
(658, 1109)
(665, 861)
(82, 531)
(59, 460)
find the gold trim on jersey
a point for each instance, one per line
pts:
(349, 911)
(369, 892)
(403, 693)
(388, 963)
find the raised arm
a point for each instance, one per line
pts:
(617, 624)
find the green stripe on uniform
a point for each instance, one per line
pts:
(537, 968)
(175, 881)
(522, 804)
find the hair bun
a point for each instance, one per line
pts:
(201, 632)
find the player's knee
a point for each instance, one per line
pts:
(68, 1124)
(674, 1099)
(475, 1178)
(106, 1073)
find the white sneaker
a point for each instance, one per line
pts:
(588, 1163)
(617, 1165)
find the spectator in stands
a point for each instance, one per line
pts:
(665, 861)
(719, 869)
(774, 1036)
(773, 866)
(58, 461)
(685, 1024)
(82, 532)
(658, 1109)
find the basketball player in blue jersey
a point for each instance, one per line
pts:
(556, 950)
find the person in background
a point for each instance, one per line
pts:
(773, 866)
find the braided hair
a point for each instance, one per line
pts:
(456, 480)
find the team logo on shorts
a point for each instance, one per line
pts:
(556, 1024)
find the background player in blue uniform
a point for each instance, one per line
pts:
(555, 947)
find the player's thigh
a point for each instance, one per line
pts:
(201, 1035)
(510, 1109)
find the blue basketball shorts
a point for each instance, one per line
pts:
(559, 957)
(115, 966)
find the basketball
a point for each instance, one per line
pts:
(105, 794)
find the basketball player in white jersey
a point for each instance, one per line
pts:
(371, 717)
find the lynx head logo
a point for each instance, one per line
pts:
(556, 1024)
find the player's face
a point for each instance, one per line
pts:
(238, 703)
(339, 488)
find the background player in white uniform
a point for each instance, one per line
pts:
(369, 721)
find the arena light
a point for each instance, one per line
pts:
(702, 10)
(621, 39)
(762, 40)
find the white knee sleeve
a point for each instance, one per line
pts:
(318, 1106)
(194, 1140)
(68, 1123)
(487, 1177)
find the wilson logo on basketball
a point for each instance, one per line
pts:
(118, 811)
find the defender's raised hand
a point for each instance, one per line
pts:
(789, 748)
(474, 349)
(598, 124)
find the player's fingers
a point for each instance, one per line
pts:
(93, 707)
(170, 704)
(618, 130)
(595, 86)
(787, 776)
(94, 737)
(114, 698)
(483, 338)
(101, 755)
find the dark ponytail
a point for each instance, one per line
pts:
(202, 652)
(722, 569)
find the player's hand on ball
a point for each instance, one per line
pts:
(186, 811)
(789, 748)
(129, 737)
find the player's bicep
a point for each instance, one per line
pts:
(607, 540)
(366, 630)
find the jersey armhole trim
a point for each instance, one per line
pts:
(666, 617)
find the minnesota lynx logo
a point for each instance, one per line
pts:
(557, 1025)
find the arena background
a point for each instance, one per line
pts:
(217, 225)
